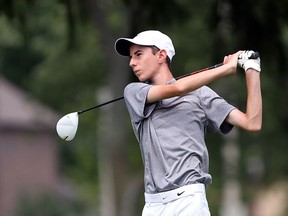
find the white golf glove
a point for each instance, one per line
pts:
(249, 59)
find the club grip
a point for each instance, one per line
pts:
(254, 55)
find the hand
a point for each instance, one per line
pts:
(248, 59)
(232, 61)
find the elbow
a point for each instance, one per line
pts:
(254, 127)
(254, 123)
(179, 90)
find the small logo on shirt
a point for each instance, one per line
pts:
(180, 193)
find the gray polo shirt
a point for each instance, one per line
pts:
(171, 135)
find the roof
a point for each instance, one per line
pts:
(19, 109)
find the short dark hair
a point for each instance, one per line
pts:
(155, 50)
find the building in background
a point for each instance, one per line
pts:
(28, 147)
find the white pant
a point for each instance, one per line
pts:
(184, 201)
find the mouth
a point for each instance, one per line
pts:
(136, 72)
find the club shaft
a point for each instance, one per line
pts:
(120, 98)
(199, 71)
(100, 105)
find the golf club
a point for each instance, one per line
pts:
(67, 126)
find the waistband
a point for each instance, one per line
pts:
(168, 196)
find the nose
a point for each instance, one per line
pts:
(132, 63)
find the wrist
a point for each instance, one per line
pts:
(252, 72)
(252, 64)
(230, 69)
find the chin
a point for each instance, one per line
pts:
(141, 79)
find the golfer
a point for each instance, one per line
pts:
(170, 119)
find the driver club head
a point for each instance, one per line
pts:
(67, 126)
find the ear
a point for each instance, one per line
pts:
(162, 56)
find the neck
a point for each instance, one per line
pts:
(161, 77)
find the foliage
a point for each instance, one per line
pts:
(48, 205)
(53, 50)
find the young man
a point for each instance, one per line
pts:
(170, 119)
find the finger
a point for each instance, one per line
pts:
(226, 59)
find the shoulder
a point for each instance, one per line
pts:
(135, 85)
(136, 90)
(204, 91)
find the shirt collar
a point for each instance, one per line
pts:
(171, 81)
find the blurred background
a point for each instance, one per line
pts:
(57, 57)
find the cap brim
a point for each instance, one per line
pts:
(122, 46)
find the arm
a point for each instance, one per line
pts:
(190, 83)
(252, 119)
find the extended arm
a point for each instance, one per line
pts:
(190, 83)
(251, 120)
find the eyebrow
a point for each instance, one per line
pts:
(136, 52)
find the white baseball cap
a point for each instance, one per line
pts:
(146, 38)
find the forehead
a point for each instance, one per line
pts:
(135, 48)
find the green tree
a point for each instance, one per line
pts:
(62, 52)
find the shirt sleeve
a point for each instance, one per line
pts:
(216, 110)
(135, 95)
